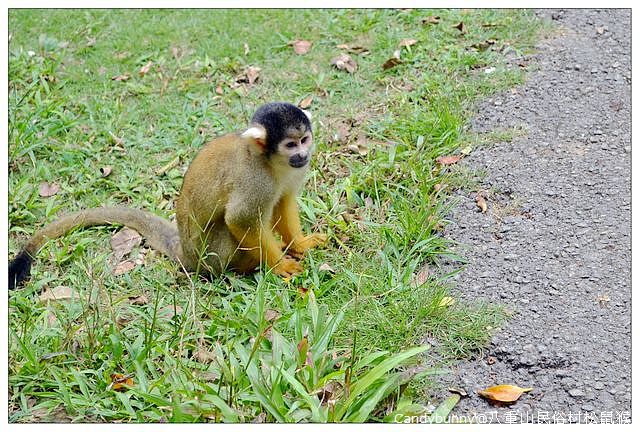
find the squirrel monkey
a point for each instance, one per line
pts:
(238, 191)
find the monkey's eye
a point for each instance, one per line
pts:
(291, 144)
(305, 140)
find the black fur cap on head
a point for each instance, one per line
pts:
(275, 117)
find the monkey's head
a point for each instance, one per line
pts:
(284, 133)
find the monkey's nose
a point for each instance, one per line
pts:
(298, 161)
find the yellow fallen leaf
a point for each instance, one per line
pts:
(504, 392)
(481, 203)
(120, 382)
(446, 301)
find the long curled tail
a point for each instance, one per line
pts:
(159, 233)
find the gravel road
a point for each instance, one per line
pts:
(555, 244)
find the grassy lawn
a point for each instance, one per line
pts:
(333, 344)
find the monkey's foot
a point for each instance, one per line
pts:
(287, 267)
(299, 247)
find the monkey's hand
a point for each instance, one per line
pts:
(300, 246)
(287, 267)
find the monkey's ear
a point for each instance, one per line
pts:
(256, 133)
(307, 113)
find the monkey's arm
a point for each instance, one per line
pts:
(260, 244)
(287, 222)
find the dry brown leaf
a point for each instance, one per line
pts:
(421, 276)
(204, 356)
(303, 291)
(123, 267)
(219, 90)
(460, 26)
(481, 46)
(246, 48)
(393, 61)
(300, 47)
(122, 77)
(250, 75)
(437, 187)
(459, 391)
(58, 293)
(139, 300)
(481, 203)
(123, 242)
(448, 160)
(105, 171)
(91, 41)
(407, 43)
(120, 382)
(48, 189)
(122, 55)
(145, 69)
(328, 393)
(431, 20)
(306, 102)
(354, 49)
(326, 267)
(271, 315)
(169, 311)
(504, 392)
(345, 62)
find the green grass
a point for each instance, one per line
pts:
(236, 348)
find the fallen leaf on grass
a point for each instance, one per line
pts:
(139, 300)
(219, 90)
(123, 77)
(271, 315)
(393, 61)
(169, 311)
(303, 291)
(203, 355)
(407, 43)
(250, 75)
(123, 242)
(59, 293)
(48, 189)
(246, 48)
(145, 69)
(345, 62)
(448, 160)
(421, 276)
(431, 20)
(446, 301)
(123, 267)
(460, 26)
(120, 382)
(466, 151)
(360, 147)
(481, 203)
(504, 392)
(482, 46)
(91, 42)
(326, 267)
(354, 49)
(300, 47)
(105, 171)
(306, 102)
